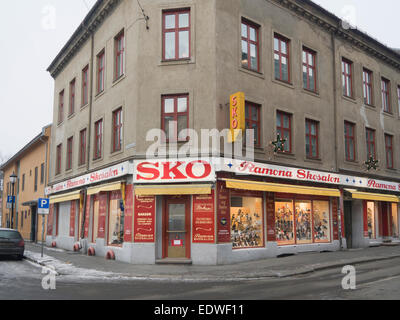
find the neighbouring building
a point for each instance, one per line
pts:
(30, 165)
(286, 69)
(1, 199)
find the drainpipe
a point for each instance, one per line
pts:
(335, 129)
(89, 130)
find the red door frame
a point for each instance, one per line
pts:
(385, 212)
(175, 200)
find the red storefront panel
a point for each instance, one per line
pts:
(72, 219)
(223, 214)
(50, 220)
(365, 219)
(271, 231)
(335, 218)
(128, 213)
(203, 218)
(145, 211)
(87, 216)
(103, 197)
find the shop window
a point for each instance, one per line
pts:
(371, 219)
(321, 218)
(395, 220)
(284, 222)
(247, 222)
(303, 222)
(308, 223)
(95, 218)
(116, 220)
(250, 45)
(176, 34)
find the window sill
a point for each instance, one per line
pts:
(370, 107)
(314, 160)
(71, 116)
(118, 80)
(352, 162)
(287, 155)
(82, 166)
(311, 93)
(252, 72)
(117, 152)
(388, 114)
(84, 106)
(98, 95)
(350, 99)
(60, 124)
(283, 83)
(96, 160)
(177, 62)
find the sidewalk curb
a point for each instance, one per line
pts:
(240, 277)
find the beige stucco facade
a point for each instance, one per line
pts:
(27, 164)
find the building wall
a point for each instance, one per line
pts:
(25, 165)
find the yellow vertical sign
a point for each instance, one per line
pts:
(237, 116)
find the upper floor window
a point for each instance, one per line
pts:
(367, 87)
(119, 43)
(175, 116)
(282, 58)
(250, 45)
(284, 129)
(312, 147)
(82, 147)
(350, 141)
(61, 107)
(85, 86)
(347, 78)
(117, 130)
(176, 34)
(386, 95)
(71, 97)
(398, 98)
(309, 70)
(370, 138)
(389, 150)
(98, 139)
(36, 179)
(253, 121)
(23, 182)
(100, 71)
(69, 152)
(42, 173)
(58, 159)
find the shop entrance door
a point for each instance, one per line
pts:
(176, 237)
(348, 225)
(385, 219)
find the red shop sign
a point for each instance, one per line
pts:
(145, 211)
(203, 218)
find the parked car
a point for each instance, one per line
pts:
(11, 243)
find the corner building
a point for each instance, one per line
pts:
(332, 93)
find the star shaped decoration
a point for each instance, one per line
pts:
(371, 163)
(279, 144)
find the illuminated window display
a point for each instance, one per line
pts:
(303, 222)
(247, 222)
(284, 223)
(322, 230)
(116, 221)
(309, 222)
(395, 221)
(371, 219)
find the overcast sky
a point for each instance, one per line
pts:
(33, 32)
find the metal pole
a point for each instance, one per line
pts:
(12, 207)
(42, 234)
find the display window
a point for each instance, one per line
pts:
(247, 229)
(322, 229)
(371, 219)
(95, 218)
(303, 222)
(395, 220)
(116, 220)
(284, 222)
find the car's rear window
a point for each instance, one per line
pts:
(10, 234)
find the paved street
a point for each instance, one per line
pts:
(375, 280)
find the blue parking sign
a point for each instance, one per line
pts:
(43, 206)
(10, 199)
